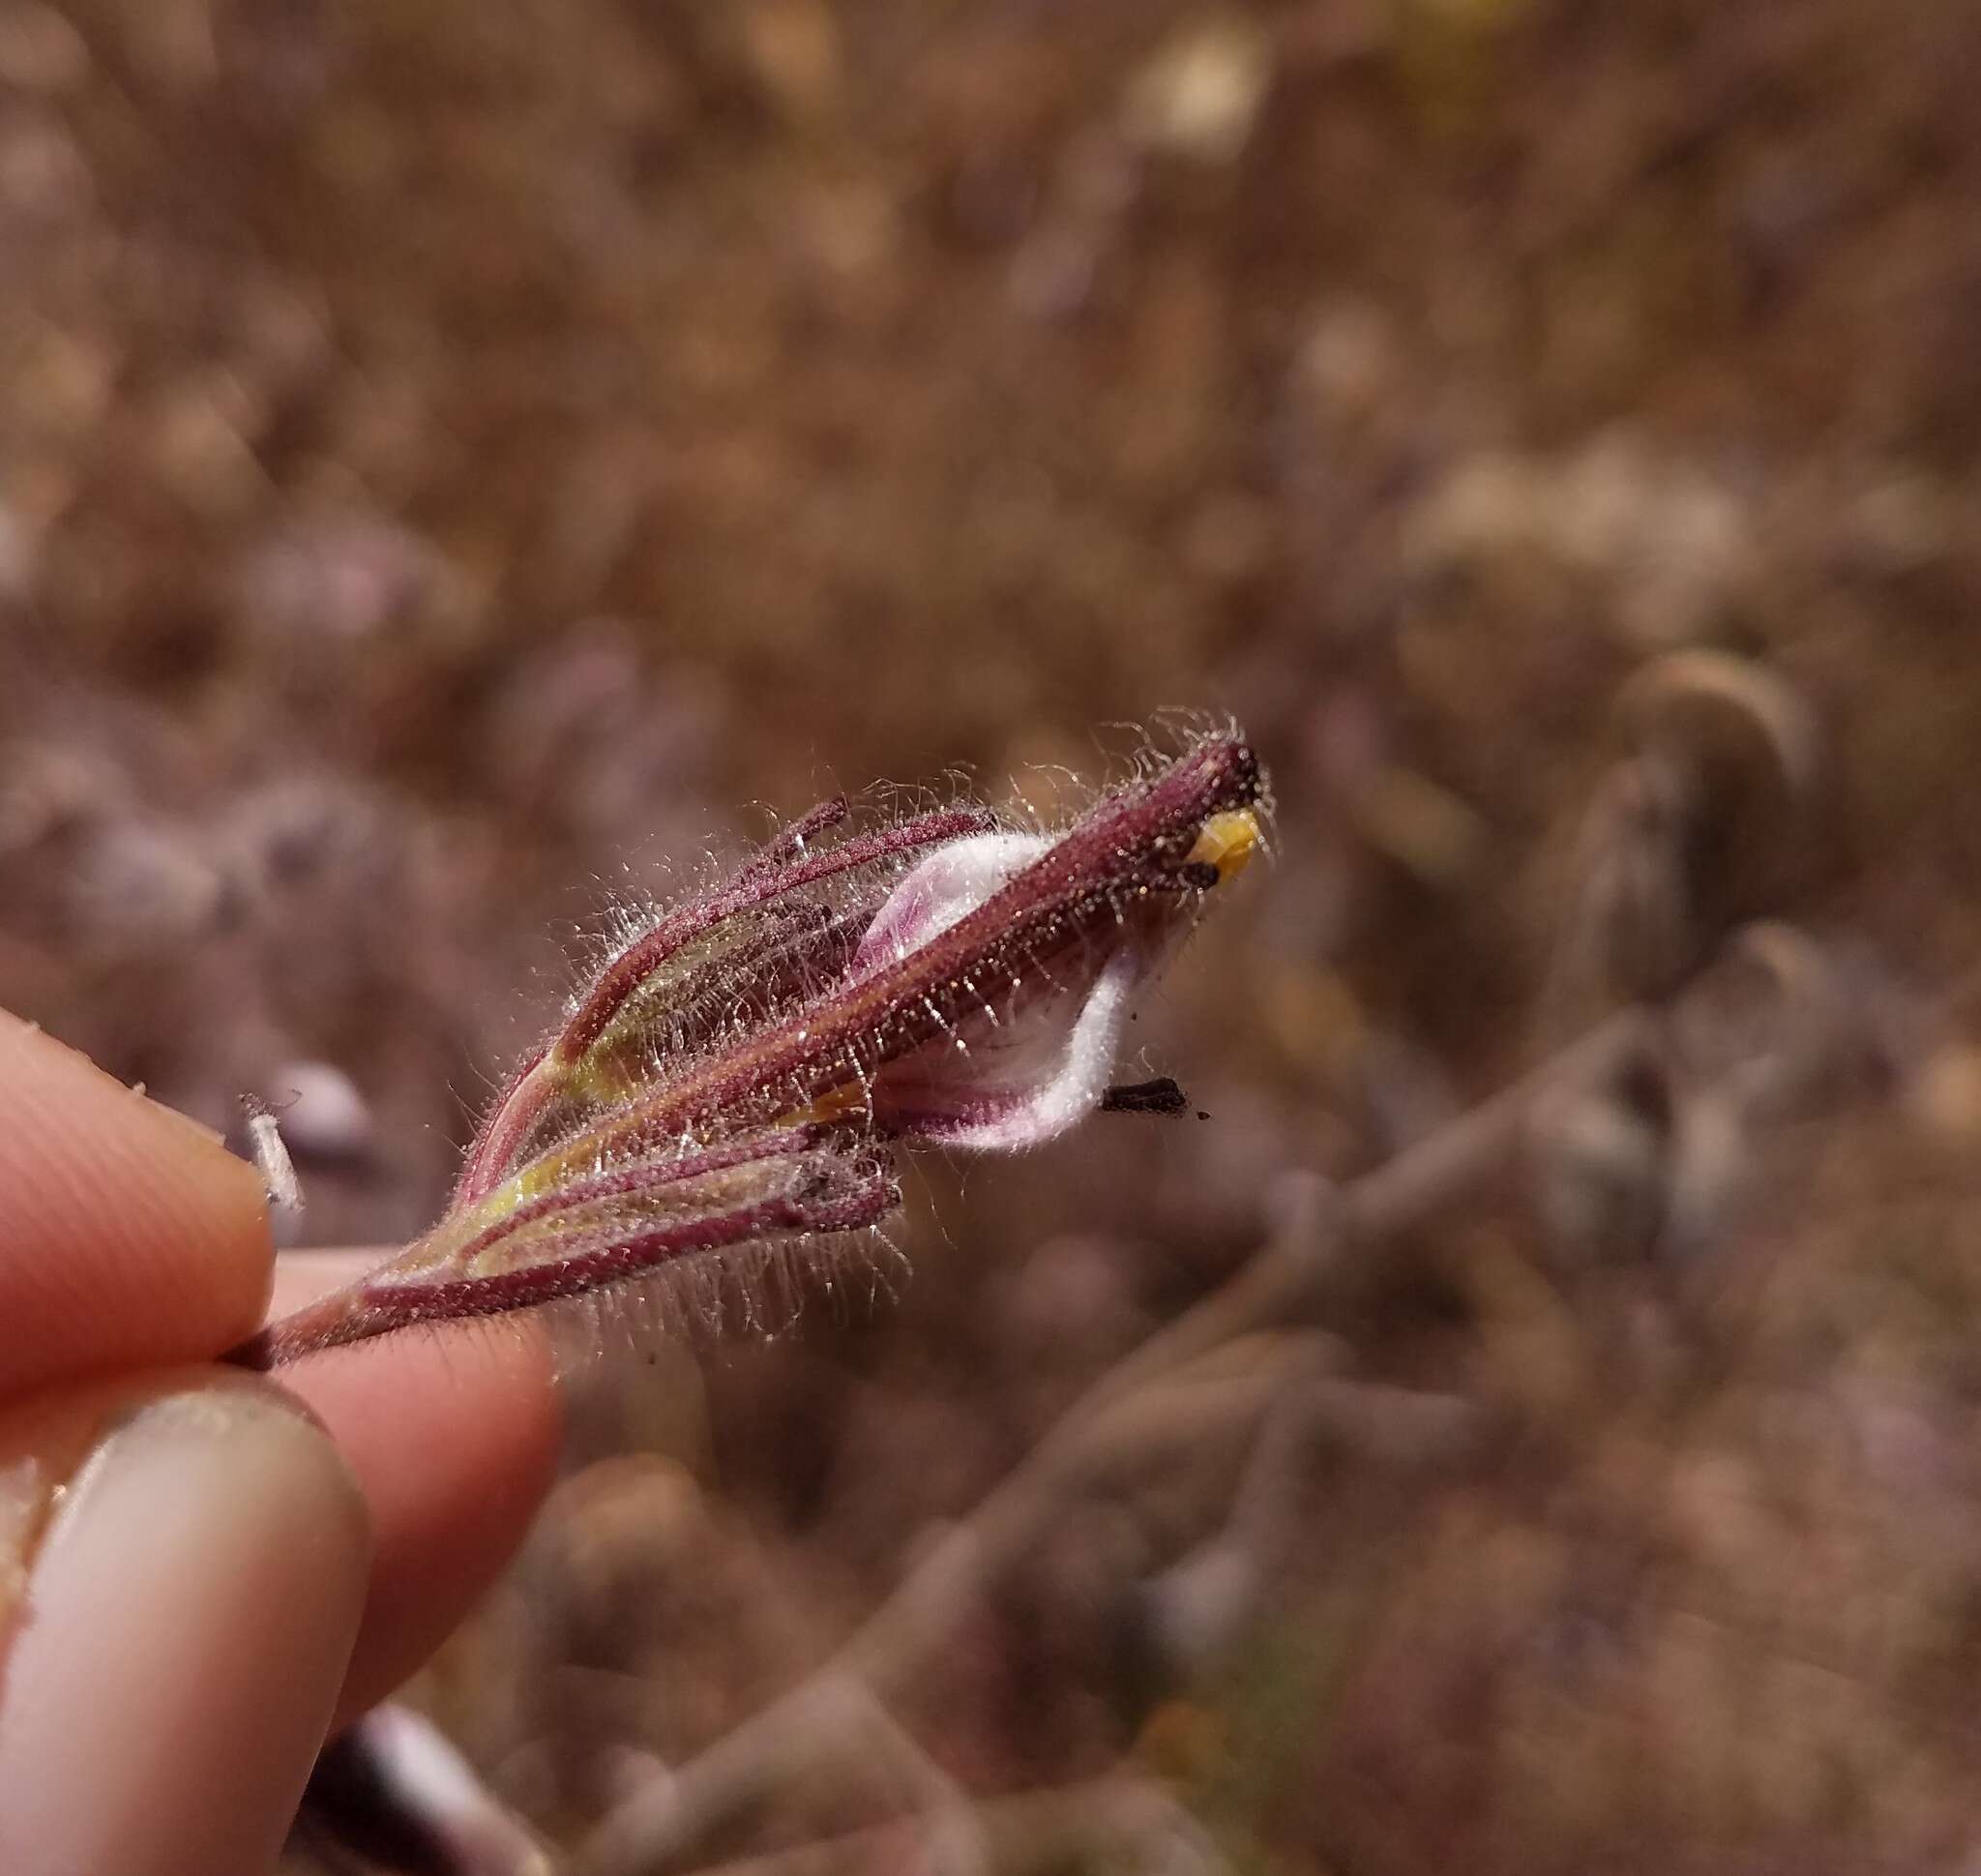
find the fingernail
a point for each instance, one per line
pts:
(178, 1651)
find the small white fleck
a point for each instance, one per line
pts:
(272, 1158)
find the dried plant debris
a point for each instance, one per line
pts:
(272, 1155)
(1706, 819)
(726, 1091)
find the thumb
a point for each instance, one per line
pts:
(188, 1560)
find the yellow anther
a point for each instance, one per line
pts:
(1226, 842)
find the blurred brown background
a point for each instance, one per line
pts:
(457, 456)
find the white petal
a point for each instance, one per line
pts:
(1035, 1080)
(951, 882)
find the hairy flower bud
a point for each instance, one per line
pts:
(736, 1073)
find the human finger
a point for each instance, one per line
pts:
(186, 1554)
(452, 1431)
(129, 1234)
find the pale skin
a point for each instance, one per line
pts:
(204, 1572)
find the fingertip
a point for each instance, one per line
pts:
(187, 1619)
(132, 1235)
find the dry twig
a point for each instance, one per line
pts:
(1148, 1404)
